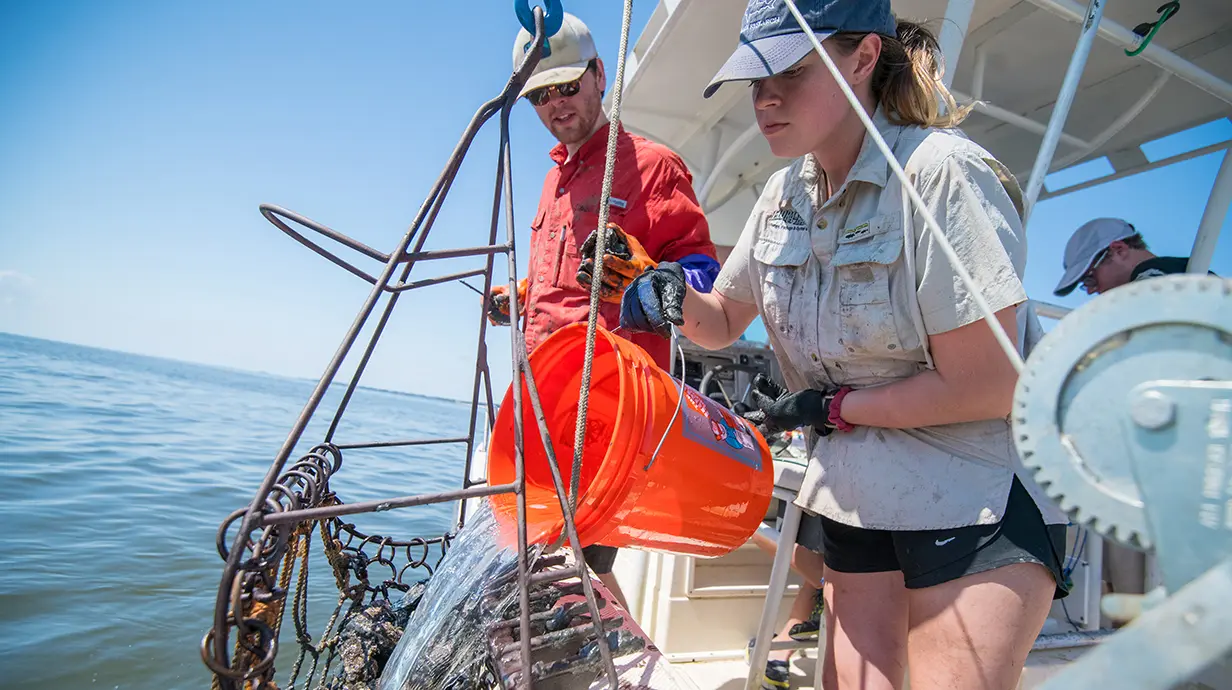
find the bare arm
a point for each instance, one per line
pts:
(714, 321)
(973, 381)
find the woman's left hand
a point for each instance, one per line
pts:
(778, 410)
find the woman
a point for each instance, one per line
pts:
(938, 559)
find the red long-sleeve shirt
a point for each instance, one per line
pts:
(652, 199)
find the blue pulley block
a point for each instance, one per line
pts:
(553, 18)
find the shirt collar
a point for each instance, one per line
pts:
(870, 166)
(597, 142)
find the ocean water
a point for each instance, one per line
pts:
(115, 473)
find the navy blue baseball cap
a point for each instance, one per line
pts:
(771, 40)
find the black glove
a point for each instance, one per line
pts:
(777, 411)
(654, 300)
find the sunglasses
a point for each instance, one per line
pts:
(1088, 278)
(567, 90)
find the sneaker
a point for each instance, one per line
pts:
(810, 630)
(777, 676)
(807, 631)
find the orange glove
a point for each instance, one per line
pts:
(498, 303)
(624, 259)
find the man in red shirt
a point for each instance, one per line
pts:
(652, 205)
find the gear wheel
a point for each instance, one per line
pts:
(1071, 414)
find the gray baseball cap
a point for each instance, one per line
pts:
(572, 50)
(771, 39)
(1085, 245)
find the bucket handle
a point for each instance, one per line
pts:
(679, 404)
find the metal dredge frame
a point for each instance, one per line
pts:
(289, 500)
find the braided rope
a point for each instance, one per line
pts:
(579, 435)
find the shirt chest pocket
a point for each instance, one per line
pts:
(781, 255)
(865, 265)
(545, 247)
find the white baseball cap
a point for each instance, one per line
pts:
(572, 49)
(1085, 245)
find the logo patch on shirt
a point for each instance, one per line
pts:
(858, 232)
(618, 203)
(787, 220)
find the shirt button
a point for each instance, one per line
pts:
(561, 190)
(540, 278)
(822, 224)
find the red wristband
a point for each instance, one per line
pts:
(836, 410)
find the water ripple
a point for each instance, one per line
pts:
(117, 471)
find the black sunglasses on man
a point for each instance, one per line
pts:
(542, 95)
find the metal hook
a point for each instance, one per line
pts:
(1146, 30)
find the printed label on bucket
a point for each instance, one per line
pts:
(708, 423)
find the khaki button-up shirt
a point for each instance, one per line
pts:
(851, 286)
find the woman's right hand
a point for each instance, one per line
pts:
(655, 300)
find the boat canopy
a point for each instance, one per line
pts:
(1013, 56)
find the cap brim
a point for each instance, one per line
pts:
(556, 75)
(1073, 276)
(764, 57)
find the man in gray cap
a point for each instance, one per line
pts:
(1108, 252)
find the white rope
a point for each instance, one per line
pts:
(989, 315)
(596, 281)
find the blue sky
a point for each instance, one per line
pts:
(138, 138)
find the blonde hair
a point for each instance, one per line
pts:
(907, 79)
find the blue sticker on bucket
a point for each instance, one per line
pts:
(714, 426)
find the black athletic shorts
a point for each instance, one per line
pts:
(600, 558)
(932, 557)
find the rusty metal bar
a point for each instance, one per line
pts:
(403, 287)
(275, 214)
(560, 637)
(456, 253)
(481, 360)
(555, 576)
(396, 444)
(570, 527)
(519, 445)
(569, 611)
(291, 517)
(519, 345)
(265, 513)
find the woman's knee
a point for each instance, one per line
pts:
(866, 629)
(809, 564)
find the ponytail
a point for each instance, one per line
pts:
(907, 79)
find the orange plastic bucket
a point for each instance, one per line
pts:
(703, 494)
